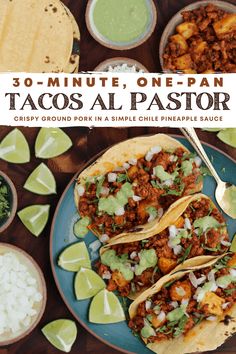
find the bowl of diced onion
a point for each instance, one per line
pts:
(121, 65)
(22, 294)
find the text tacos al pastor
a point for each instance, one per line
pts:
(135, 182)
(188, 312)
(191, 227)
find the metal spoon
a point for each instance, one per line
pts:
(225, 192)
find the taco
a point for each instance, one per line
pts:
(135, 182)
(190, 311)
(191, 227)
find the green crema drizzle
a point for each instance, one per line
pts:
(112, 203)
(148, 259)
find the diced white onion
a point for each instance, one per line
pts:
(151, 218)
(172, 231)
(106, 275)
(199, 295)
(185, 302)
(201, 280)
(160, 212)
(225, 243)
(94, 246)
(174, 304)
(133, 162)
(136, 198)
(111, 177)
(172, 158)
(180, 291)
(80, 190)
(193, 279)
(140, 284)
(197, 161)
(214, 287)
(149, 156)
(211, 276)
(225, 305)
(104, 238)
(187, 224)
(162, 316)
(120, 211)
(148, 305)
(133, 268)
(133, 255)
(156, 149)
(105, 191)
(177, 250)
(233, 273)
(126, 166)
(211, 318)
(168, 182)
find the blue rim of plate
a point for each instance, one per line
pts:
(59, 273)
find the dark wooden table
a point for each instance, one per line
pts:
(87, 143)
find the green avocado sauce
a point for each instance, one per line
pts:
(121, 20)
(148, 259)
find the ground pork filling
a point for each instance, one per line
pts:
(200, 44)
(200, 230)
(138, 192)
(206, 294)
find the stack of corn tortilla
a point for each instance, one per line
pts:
(38, 36)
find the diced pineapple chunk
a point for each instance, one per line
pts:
(183, 62)
(187, 29)
(181, 291)
(214, 303)
(181, 42)
(200, 47)
(232, 261)
(226, 25)
(179, 222)
(166, 265)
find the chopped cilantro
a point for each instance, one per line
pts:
(4, 200)
(186, 254)
(122, 177)
(100, 182)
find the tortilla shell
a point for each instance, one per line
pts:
(35, 36)
(203, 337)
(120, 153)
(158, 225)
(73, 65)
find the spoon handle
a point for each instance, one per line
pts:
(192, 137)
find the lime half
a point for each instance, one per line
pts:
(51, 142)
(228, 136)
(233, 245)
(14, 148)
(41, 181)
(106, 308)
(61, 334)
(35, 218)
(74, 257)
(87, 284)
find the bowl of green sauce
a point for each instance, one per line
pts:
(121, 24)
(8, 201)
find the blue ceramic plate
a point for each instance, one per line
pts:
(118, 336)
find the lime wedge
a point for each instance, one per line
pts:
(106, 308)
(87, 284)
(14, 148)
(228, 136)
(212, 129)
(35, 218)
(233, 245)
(74, 257)
(61, 334)
(51, 142)
(41, 181)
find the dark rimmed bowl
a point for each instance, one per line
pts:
(34, 269)
(178, 19)
(13, 202)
